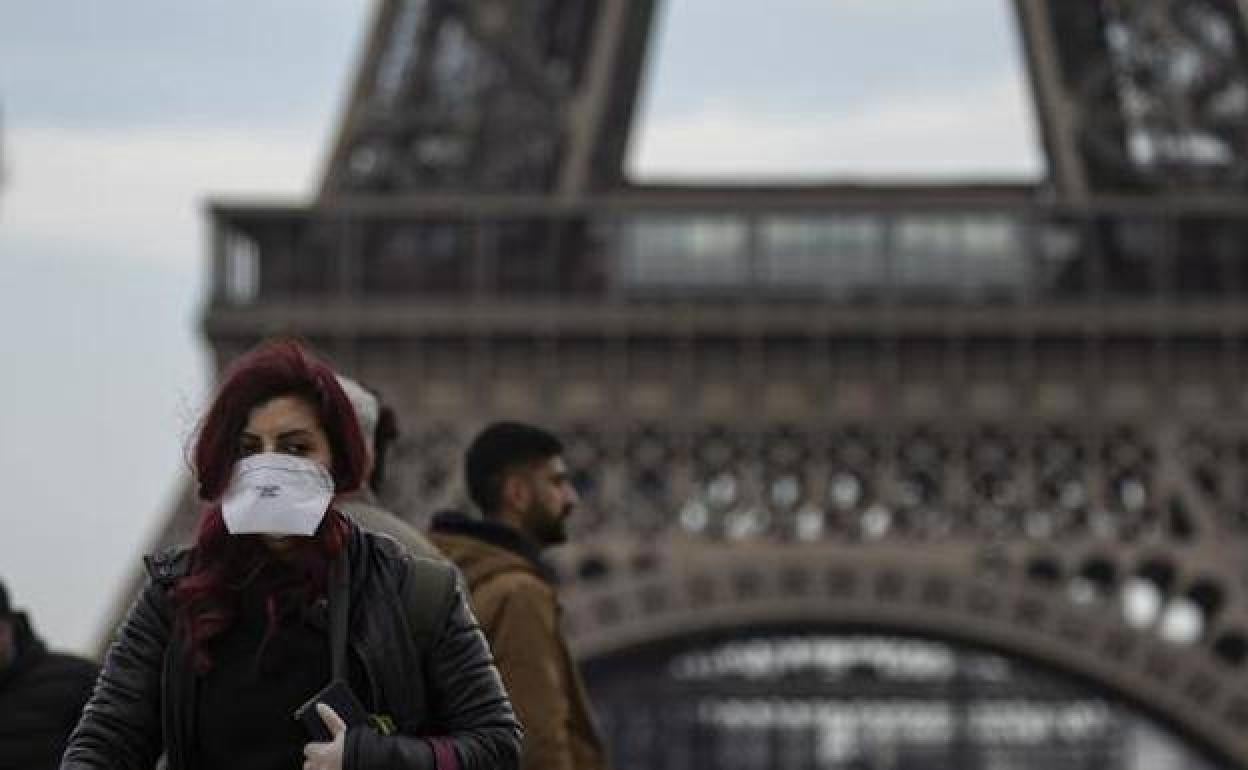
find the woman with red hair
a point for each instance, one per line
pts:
(287, 636)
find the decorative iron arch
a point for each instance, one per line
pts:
(971, 595)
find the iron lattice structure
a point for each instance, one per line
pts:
(1004, 416)
(478, 97)
(1140, 96)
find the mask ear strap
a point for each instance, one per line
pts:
(339, 580)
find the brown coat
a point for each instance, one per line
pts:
(517, 607)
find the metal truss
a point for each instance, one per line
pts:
(1141, 95)
(492, 96)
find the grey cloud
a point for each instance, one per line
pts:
(102, 361)
(151, 62)
(789, 54)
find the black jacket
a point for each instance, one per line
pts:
(41, 697)
(438, 681)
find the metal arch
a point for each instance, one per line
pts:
(962, 592)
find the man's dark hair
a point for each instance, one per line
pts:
(499, 448)
(5, 609)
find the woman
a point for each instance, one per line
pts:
(281, 594)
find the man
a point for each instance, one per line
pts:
(41, 694)
(516, 475)
(379, 428)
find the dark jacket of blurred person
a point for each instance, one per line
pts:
(380, 429)
(41, 694)
(516, 475)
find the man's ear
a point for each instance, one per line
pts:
(516, 491)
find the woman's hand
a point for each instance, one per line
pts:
(319, 755)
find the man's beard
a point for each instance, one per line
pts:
(550, 529)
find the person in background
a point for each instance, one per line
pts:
(231, 653)
(41, 694)
(380, 429)
(516, 475)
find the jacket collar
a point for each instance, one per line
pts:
(494, 533)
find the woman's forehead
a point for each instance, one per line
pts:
(283, 413)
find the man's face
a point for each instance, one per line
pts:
(551, 499)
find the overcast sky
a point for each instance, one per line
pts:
(121, 118)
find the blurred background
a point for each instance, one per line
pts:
(119, 123)
(897, 344)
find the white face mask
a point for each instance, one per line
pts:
(276, 494)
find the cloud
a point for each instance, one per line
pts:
(96, 403)
(138, 63)
(979, 129)
(102, 269)
(845, 54)
(139, 194)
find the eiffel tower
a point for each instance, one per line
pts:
(876, 476)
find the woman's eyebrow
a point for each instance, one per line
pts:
(294, 433)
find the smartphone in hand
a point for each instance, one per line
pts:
(338, 696)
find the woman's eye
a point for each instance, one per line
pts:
(295, 449)
(247, 450)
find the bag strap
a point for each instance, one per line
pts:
(431, 583)
(424, 601)
(339, 604)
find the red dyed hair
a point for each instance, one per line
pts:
(222, 564)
